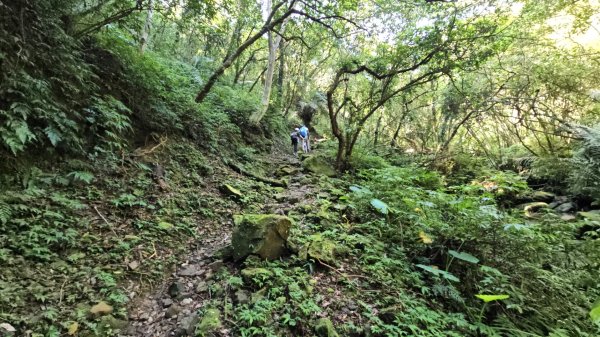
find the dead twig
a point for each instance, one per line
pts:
(338, 271)
(62, 287)
(141, 153)
(106, 221)
(153, 254)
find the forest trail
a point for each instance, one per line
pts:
(171, 309)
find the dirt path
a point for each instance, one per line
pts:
(171, 309)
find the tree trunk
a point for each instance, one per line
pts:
(376, 137)
(281, 74)
(145, 34)
(268, 26)
(274, 41)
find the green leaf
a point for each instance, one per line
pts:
(595, 312)
(448, 276)
(380, 206)
(464, 256)
(490, 298)
(165, 225)
(355, 188)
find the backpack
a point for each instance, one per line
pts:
(304, 131)
(294, 136)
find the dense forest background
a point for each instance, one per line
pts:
(454, 189)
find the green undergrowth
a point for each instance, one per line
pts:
(396, 251)
(73, 234)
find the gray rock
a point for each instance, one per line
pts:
(186, 301)
(215, 266)
(173, 311)
(242, 297)
(167, 302)
(565, 208)
(176, 289)
(201, 287)
(193, 270)
(293, 198)
(554, 204)
(141, 317)
(189, 323)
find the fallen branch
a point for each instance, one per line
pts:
(241, 170)
(141, 153)
(338, 271)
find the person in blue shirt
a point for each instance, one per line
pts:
(304, 135)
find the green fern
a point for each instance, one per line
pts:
(5, 212)
(81, 176)
(54, 136)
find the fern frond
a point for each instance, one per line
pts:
(81, 176)
(5, 212)
(53, 135)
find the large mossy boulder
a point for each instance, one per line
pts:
(262, 234)
(324, 328)
(210, 323)
(319, 165)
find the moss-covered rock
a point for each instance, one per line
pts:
(210, 323)
(252, 273)
(321, 249)
(590, 215)
(533, 206)
(286, 171)
(261, 234)
(324, 328)
(259, 295)
(319, 165)
(110, 323)
(231, 191)
(542, 196)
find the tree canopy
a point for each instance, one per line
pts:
(453, 190)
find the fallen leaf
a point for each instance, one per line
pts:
(101, 308)
(133, 265)
(425, 238)
(73, 328)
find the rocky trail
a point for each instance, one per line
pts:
(171, 309)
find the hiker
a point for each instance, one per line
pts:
(295, 135)
(305, 138)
